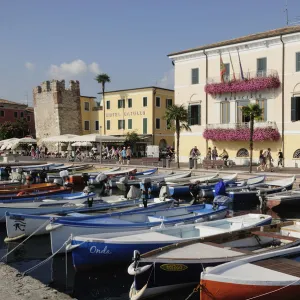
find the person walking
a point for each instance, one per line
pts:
(280, 158)
(123, 155)
(32, 152)
(208, 154)
(195, 152)
(269, 159)
(214, 153)
(262, 161)
(128, 154)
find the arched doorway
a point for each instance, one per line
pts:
(162, 144)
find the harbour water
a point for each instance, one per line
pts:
(111, 282)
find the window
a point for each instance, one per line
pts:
(86, 125)
(107, 124)
(194, 115)
(1, 113)
(86, 106)
(21, 114)
(15, 114)
(129, 123)
(157, 101)
(241, 118)
(145, 126)
(129, 102)
(297, 61)
(295, 109)
(157, 123)
(263, 105)
(225, 112)
(169, 102)
(195, 76)
(28, 118)
(121, 103)
(296, 154)
(242, 153)
(227, 72)
(96, 125)
(108, 104)
(262, 67)
(121, 124)
(144, 101)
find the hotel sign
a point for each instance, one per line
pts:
(127, 114)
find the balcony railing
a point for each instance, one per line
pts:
(250, 82)
(241, 132)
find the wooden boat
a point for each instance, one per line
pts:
(246, 197)
(34, 194)
(267, 276)
(283, 199)
(15, 189)
(61, 229)
(32, 221)
(96, 250)
(155, 180)
(207, 191)
(179, 265)
(48, 166)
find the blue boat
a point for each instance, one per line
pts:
(62, 229)
(96, 250)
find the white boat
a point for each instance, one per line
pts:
(87, 250)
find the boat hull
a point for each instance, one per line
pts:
(283, 202)
(211, 289)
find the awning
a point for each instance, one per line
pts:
(59, 138)
(96, 138)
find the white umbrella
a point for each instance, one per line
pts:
(86, 144)
(97, 138)
(27, 140)
(60, 144)
(76, 144)
(59, 138)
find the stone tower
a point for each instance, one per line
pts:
(57, 109)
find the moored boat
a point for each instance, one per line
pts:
(284, 199)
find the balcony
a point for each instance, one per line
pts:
(252, 82)
(263, 131)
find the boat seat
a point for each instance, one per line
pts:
(275, 236)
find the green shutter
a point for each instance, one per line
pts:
(199, 114)
(294, 109)
(108, 104)
(108, 124)
(190, 115)
(130, 102)
(145, 126)
(123, 123)
(129, 123)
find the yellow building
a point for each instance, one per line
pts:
(140, 110)
(262, 68)
(90, 113)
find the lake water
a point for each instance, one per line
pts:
(107, 283)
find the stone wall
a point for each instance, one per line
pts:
(57, 109)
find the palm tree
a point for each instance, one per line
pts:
(254, 112)
(178, 114)
(102, 79)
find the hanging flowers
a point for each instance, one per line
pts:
(247, 85)
(242, 134)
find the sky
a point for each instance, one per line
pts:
(127, 39)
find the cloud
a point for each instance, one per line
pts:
(74, 68)
(94, 68)
(167, 81)
(29, 66)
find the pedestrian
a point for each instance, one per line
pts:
(269, 159)
(123, 155)
(195, 152)
(224, 155)
(280, 158)
(208, 154)
(214, 153)
(37, 153)
(262, 161)
(128, 154)
(32, 152)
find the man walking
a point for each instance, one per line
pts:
(123, 154)
(128, 154)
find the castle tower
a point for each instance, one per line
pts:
(57, 109)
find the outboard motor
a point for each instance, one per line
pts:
(134, 193)
(194, 191)
(146, 190)
(124, 180)
(164, 192)
(223, 201)
(209, 194)
(85, 178)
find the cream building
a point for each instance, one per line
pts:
(271, 77)
(140, 110)
(90, 113)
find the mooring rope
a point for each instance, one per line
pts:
(39, 228)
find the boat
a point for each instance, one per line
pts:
(96, 250)
(207, 191)
(284, 199)
(200, 183)
(26, 188)
(62, 229)
(32, 221)
(179, 265)
(248, 196)
(267, 276)
(155, 180)
(48, 166)
(34, 194)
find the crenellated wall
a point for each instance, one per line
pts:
(57, 109)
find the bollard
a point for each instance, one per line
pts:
(195, 163)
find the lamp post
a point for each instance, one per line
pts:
(100, 130)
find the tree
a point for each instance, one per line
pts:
(18, 129)
(254, 112)
(178, 115)
(102, 79)
(132, 138)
